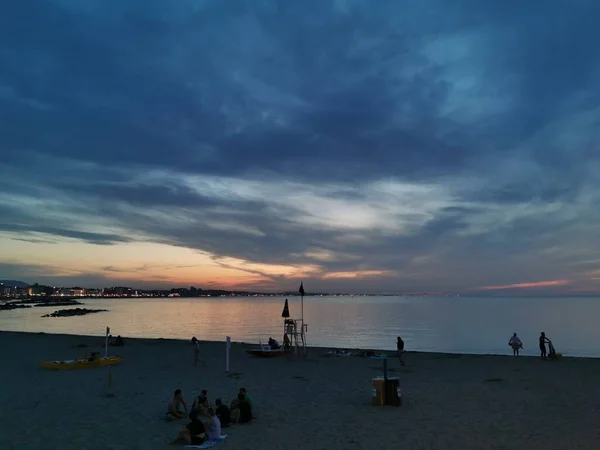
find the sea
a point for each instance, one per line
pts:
(450, 324)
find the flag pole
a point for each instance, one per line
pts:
(302, 318)
(301, 290)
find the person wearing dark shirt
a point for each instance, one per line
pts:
(223, 413)
(247, 397)
(194, 433)
(543, 340)
(245, 410)
(400, 348)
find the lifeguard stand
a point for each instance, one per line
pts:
(296, 330)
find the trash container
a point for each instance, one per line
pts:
(386, 392)
(378, 396)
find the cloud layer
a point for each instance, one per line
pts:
(376, 147)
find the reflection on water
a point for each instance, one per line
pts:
(470, 325)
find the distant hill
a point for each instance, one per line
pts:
(14, 283)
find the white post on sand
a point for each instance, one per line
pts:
(227, 347)
(106, 342)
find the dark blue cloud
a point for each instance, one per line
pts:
(109, 111)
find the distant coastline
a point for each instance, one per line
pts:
(13, 289)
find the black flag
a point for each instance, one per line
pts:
(286, 310)
(301, 290)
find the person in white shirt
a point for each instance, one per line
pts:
(516, 344)
(213, 426)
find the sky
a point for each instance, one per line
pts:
(357, 146)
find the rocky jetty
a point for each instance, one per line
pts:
(74, 312)
(9, 306)
(38, 303)
(62, 303)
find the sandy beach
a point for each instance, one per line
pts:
(450, 401)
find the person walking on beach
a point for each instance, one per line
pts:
(543, 340)
(196, 351)
(196, 343)
(400, 348)
(515, 343)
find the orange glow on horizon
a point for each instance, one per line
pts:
(356, 274)
(535, 284)
(163, 265)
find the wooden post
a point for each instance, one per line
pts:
(106, 342)
(385, 381)
(304, 330)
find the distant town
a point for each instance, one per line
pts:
(12, 289)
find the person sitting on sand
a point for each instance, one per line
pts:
(247, 397)
(233, 410)
(174, 412)
(194, 433)
(543, 340)
(213, 426)
(234, 403)
(115, 342)
(515, 343)
(274, 344)
(244, 409)
(223, 413)
(201, 403)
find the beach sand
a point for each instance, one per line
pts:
(450, 401)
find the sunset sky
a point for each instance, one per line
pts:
(373, 146)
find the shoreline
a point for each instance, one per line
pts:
(311, 349)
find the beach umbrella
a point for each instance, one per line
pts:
(286, 310)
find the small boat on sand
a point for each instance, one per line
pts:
(265, 351)
(85, 363)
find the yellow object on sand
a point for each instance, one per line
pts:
(81, 363)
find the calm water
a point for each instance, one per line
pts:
(466, 325)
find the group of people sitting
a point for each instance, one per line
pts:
(206, 421)
(116, 342)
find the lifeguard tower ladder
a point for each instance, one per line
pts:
(296, 330)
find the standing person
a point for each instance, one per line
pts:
(196, 343)
(400, 348)
(543, 340)
(196, 351)
(515, 343)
